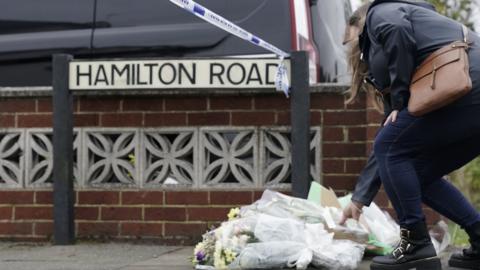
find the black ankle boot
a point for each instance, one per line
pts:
(470, 258)
(415, 251)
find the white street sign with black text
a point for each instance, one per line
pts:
(172, 74)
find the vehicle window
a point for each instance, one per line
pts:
(329, 18)
(128, 13)
(26, 16)
(158, 28)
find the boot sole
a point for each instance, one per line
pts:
(473, 264)
(423, 264)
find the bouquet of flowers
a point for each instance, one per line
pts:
(275, 232)
(221, 246)
(204, 251)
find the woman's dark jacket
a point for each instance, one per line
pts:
(397, 37)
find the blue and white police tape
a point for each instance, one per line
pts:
(281, 79)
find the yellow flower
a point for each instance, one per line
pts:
(234, 213)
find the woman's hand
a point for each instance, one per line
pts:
(353, 210)
(391, 118)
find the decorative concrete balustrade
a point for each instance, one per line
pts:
(188, 157)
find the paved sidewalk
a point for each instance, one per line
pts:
(83, 256)
(98, 256)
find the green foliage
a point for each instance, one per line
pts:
(459, 236)
(473, 172)
(472, 181)
(467, 180)
(460, 10)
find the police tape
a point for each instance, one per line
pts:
(281, 79)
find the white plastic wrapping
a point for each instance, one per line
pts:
(292, 243)
(339, 255)
(280, 205)
(272, 229)
(381, 224)
(204, 267)
(387, 231)
(274, 254)
(441, 238)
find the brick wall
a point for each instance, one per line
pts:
(173, 216)
(179, 111)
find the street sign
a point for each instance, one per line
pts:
(173, 74)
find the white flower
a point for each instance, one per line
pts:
(218, 259)
(199, 247)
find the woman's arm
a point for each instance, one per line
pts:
(390, 26)
(368, 183)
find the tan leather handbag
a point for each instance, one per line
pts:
(441, 79)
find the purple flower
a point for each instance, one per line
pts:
(200, 256)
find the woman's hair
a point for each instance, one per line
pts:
(358, 68)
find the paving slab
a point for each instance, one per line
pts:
(83, 256)
(176, 258)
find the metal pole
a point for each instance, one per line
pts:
(63, 195)
(300, 119)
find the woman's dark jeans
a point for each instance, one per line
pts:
(413, 155)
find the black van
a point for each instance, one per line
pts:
(32, 30)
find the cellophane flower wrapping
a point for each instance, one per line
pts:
(279, 231)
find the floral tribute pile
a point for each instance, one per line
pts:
(277, 231)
